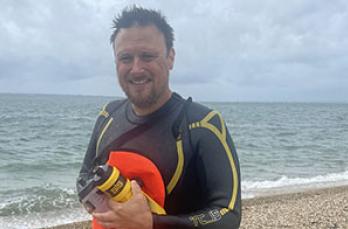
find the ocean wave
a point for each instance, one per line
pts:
(252, 188)
(39, 166)
(44, 219)
(37, 199)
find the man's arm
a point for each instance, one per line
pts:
(219, 173)
(90, 155)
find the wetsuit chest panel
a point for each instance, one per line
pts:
(158, 145)
(113, 128)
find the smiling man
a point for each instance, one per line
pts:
(187, 143)
(143, 63)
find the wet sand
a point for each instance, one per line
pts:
(319, 208)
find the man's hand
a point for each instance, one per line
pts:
(132, 214)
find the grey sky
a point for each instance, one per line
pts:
(231, 50)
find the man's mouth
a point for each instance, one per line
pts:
(139, 81)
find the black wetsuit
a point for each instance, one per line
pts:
(193, 152)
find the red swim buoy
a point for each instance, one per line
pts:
(137, 167)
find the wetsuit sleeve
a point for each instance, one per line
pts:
(103, 117)
(91, 150)
(90, 155)
(219, 178)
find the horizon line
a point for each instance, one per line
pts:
(202, 101)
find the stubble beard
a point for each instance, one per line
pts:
(143, 100)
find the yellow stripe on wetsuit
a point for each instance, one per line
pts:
(179, 166)
(106, 114)
(221, 135)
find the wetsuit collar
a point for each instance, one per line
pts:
(167, 107)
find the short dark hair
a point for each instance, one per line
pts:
(138, 16)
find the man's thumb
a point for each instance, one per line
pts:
(135, 187)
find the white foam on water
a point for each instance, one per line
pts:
(44, 219)
(251, 189)
(37, 199)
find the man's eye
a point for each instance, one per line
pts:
(125, 59)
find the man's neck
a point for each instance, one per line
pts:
(141, 111)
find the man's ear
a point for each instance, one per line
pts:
(171, 58)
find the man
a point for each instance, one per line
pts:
(187, 142)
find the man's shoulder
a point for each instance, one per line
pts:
(111, 106)
(200, 115)
(114, 104)
(197, 111)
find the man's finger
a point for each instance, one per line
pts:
(114, 205)
(104, 217)
(105, 225)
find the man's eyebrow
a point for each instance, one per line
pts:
(149, 53)
(122, 54)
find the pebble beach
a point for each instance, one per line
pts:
(317, 208)
(322, 208)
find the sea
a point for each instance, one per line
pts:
(282, 147)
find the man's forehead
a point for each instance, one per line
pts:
(138, 37)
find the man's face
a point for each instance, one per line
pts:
(143, 64)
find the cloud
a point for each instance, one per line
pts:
(247, 50)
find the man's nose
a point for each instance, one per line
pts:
(138, 66)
